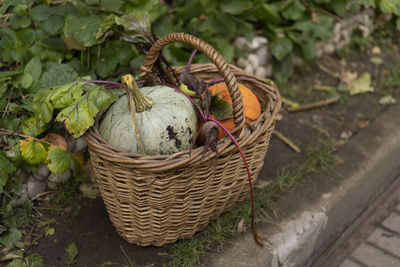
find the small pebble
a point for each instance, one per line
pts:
(60, 178)
(257, 42)
(71, 142)
(261, 72)
(241, 43)
(297, 61)
(249, 69)
(51, 185)
(80, 145)
(23, 195)
(262, 54)
(345, 134)
(242, 63)
(35, 187)
(376, 50)
(43, 171)
(254, 61)
(329, 48)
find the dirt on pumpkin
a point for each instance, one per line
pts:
(96, 238)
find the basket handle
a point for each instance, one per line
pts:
(214, 56)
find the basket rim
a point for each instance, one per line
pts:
(195, 155)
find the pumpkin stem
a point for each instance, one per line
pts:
(141, 101)
(138, 102)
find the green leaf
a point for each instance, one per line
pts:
(59, 74)
(220, 108)
(30, 127)
(18, 254)
(137, 24)
(113, 53)
(105, 25)
(281, 47)
(99, 99)
(83, 29)
(60, 160)
(17, 263)
(111, 5)
(235, 7)
(27, 80)
(163, 25)
(40, 13)
(80, 115)
(397, 24)
(65, 95)
(53, 25)
(70, 253)
(4, 74)
(294, 11)
(367, 3)
(283, 69)
(5, 163)
(33, 151)
(313, 31)
(35, 260)
(308, 50)
(11, 237)
(339, 7)
(34, 67)
(387, 6)
(268, 13)
(17, 21)
(226, 48)
(136, 62)
(42, 108)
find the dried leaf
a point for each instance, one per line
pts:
(376, 60)
(192, 82)
(348, 77)
(387, 100)
(50, 231)
(240, 227)
(363, 124)
(359, 85)
(57, 140)
(346, 134)
(89, 190)
(261, 184)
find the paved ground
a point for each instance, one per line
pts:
(373, 240)
(381, 247)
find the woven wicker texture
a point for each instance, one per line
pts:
(154, 200)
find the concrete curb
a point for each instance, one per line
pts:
(315, 214)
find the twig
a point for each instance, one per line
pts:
(8, 103)
(8, 132)
(6, 15)
(287, 141)
(315, 104)
(328, 71)
(323, 87)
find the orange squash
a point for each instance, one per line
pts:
(252, 108)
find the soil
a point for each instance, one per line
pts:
(96, 238)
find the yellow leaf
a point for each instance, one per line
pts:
(33, 151)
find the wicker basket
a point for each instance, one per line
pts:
(154, 200)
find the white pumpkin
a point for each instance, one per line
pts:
(166, 120)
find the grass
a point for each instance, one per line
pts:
(314, 159)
